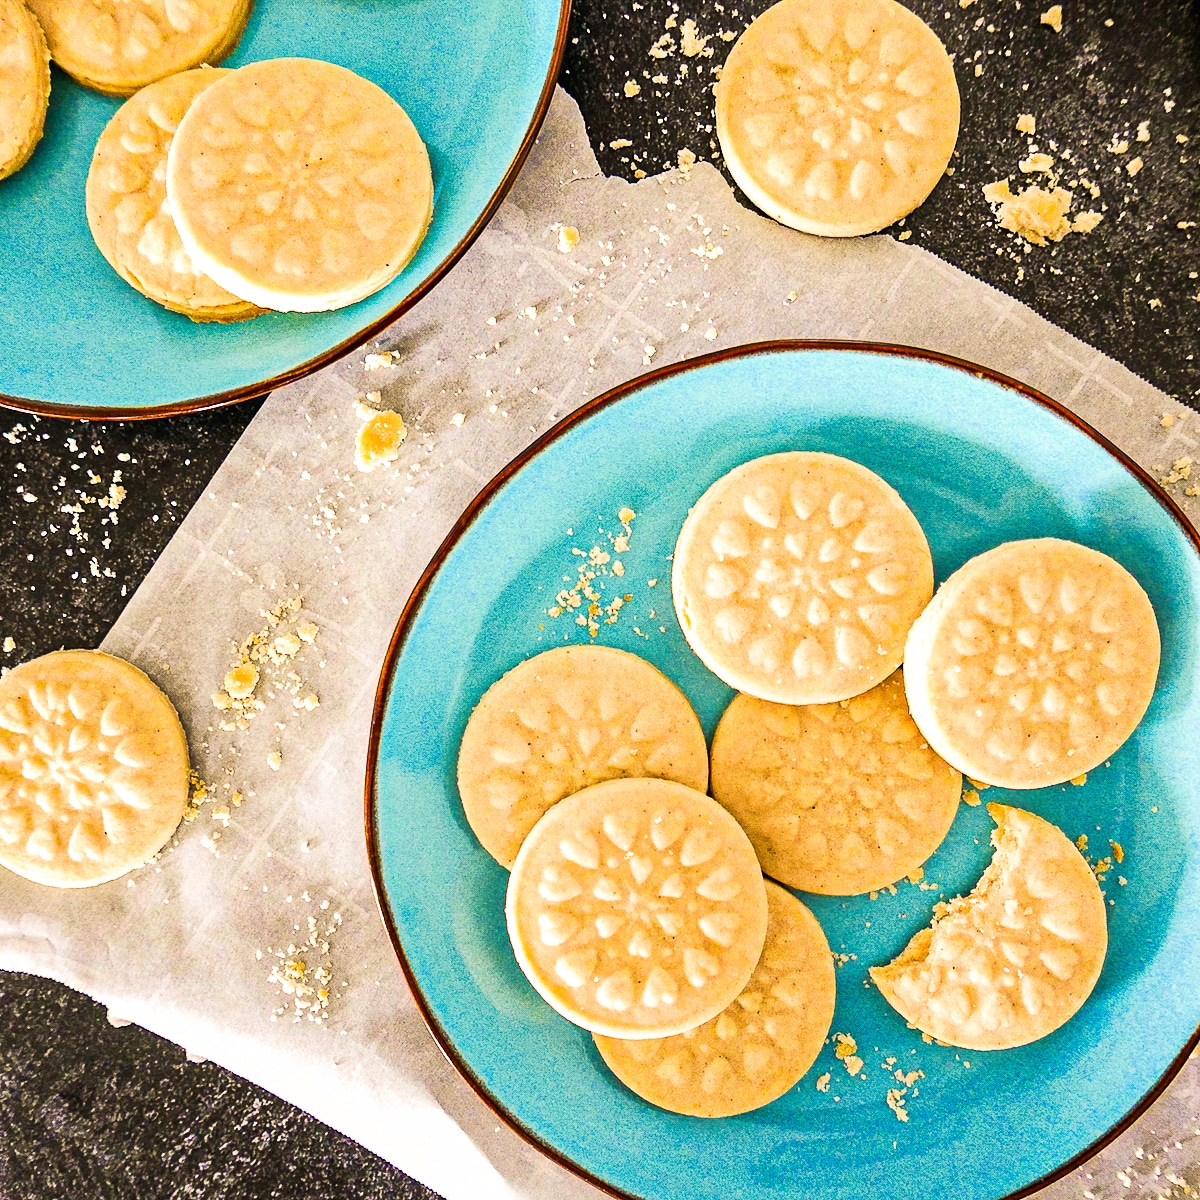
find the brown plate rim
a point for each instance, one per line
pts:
(481, 501)
(46, 408)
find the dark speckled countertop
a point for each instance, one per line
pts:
(91, 1111)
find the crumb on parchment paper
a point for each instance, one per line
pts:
(303, 972)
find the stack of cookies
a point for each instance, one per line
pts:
(637, 905)
(292, 184)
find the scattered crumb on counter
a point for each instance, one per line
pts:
(1026, 123)
(1053, 17)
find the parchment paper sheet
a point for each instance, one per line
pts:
(516, 337)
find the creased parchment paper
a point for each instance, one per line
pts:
(516, 337)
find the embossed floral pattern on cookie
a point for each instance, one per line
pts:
(117, 47)
(1015, 959)
(636, 908)
(797, 576)
(24, 85)
(1034, 663)
(840, 798)
(837, 117)
(759, 1046)
(299, 185)
(564, 720)
(93, 769)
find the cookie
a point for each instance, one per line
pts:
(797, 576)
(836, 798)
(117, 47)
(299, 185)
(24, 85)
(561, 721)
(757, 1048)
(837, 117)
(1034, 662)
(636, 908)
(93, 769)
(1015, 959)
(127, 207)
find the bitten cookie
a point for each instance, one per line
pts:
(561, 721)
(636, 908)
(116, 47)
(760, 1046)
(24, 85)
(1034, 662)
(93, 769)
(127, 207)
(797, 576)
(1015, 959)
(837, 798)
(298, 185)
(837, 117)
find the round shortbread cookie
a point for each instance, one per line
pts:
(837, 799)
(299, 185)
(117, 47)
(636, 908)
(127, 207)
(24, 85)
(1015, 959)
(93, 769)
(797, 575)
(837, 117)
(760, 1046)
(561, 721)
(1034, 662)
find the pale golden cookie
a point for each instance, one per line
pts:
(118, 46)
(837, 798)
(561, 721)
(1034, 662)
(93, 769)
(760, 1046)
(636, 908)
(24, 85)
(299, 185)
(797, 575)
(837, 117)
(1015, 959)
(127, 207)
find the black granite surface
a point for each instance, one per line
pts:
(91, 1111)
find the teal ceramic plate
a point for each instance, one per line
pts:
(75, 340)
(980, 460)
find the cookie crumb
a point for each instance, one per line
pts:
(971, 797)
(823, 1082)
(1133, 166)
(632, 88)
(1026, 123)
(1053, 17)
(274, 760)
(379, 439)
(1036, 214)
(568, 239)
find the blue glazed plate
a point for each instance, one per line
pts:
(980, 460)
(76, 340)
